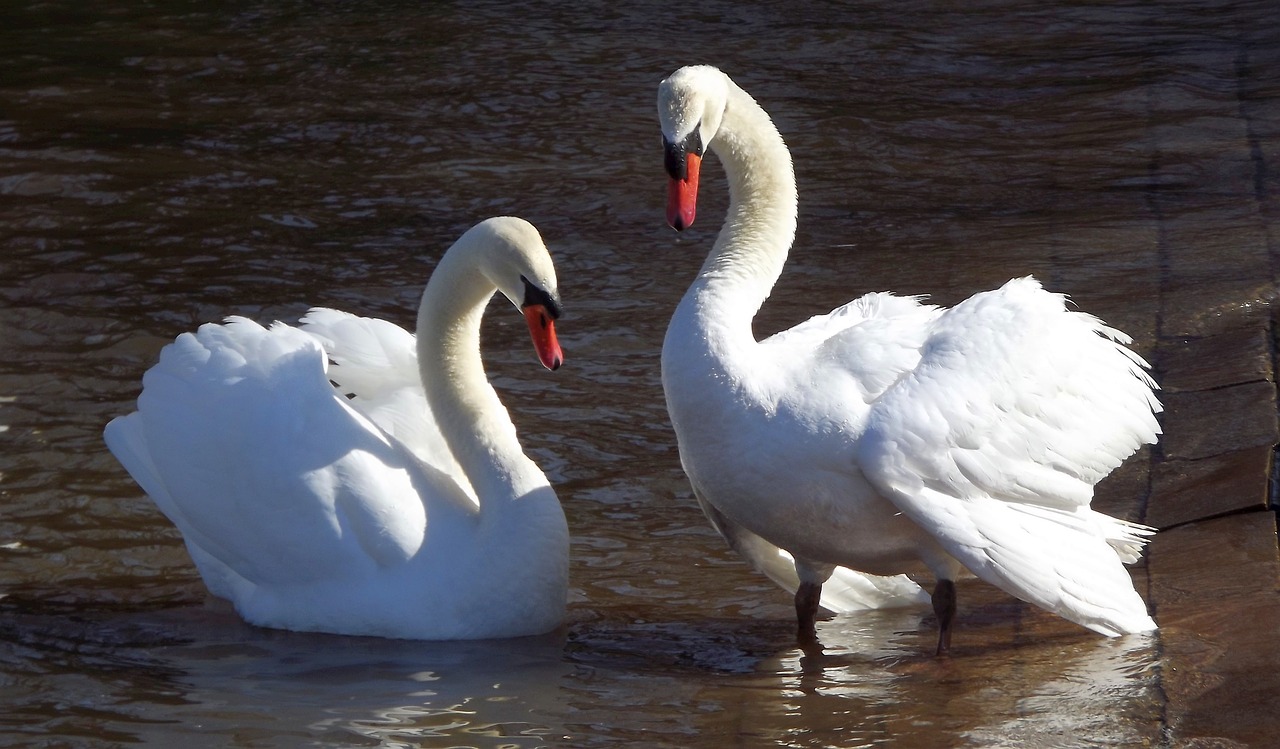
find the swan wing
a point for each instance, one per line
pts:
(374, 363)
(881, 305)
(368, 357)
(869, 343)
(994, 441)
(243, 443)
(845, 591)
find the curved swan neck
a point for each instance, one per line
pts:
(761, 223)
(752, 246)
(472, 419)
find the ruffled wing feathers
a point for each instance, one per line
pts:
(994, 441)
(274, 475)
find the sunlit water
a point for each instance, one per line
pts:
(169, 163)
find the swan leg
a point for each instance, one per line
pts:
(807, 597)
(944, 607)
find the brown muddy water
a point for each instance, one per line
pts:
(164, 164)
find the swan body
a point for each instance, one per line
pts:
(890, 432)
(399, 504)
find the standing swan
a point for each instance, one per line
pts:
(889, 432)
(400, 505)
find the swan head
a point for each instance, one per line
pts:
(691, 106)
(517, 262)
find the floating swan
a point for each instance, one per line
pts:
(400, 504)
(889, 432)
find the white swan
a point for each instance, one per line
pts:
(890, 432)
(400, 505)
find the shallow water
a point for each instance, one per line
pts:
(169, 163)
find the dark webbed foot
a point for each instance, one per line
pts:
(944, 607)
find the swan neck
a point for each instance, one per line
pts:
(751, 249)
(761, 223)
(472, 419)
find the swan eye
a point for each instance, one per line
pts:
(535, 295)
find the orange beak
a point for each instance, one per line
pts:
(542, 329)
(682, 194)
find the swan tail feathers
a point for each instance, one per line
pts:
(1126, 538)
(125, 440)
(1069, 562)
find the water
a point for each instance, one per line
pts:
(164, 164)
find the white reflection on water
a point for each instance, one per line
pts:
(295, 688)
(1078, 705)
(1041, 692)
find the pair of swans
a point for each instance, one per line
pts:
(397, 501)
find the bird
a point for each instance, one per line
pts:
(350, 477)
(890, 432)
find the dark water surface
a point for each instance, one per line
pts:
(164, 164)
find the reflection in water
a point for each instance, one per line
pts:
(874, 683)
(200, 677)
(1076, 703)
(163, 165)
(871, 686)
(488, 694)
